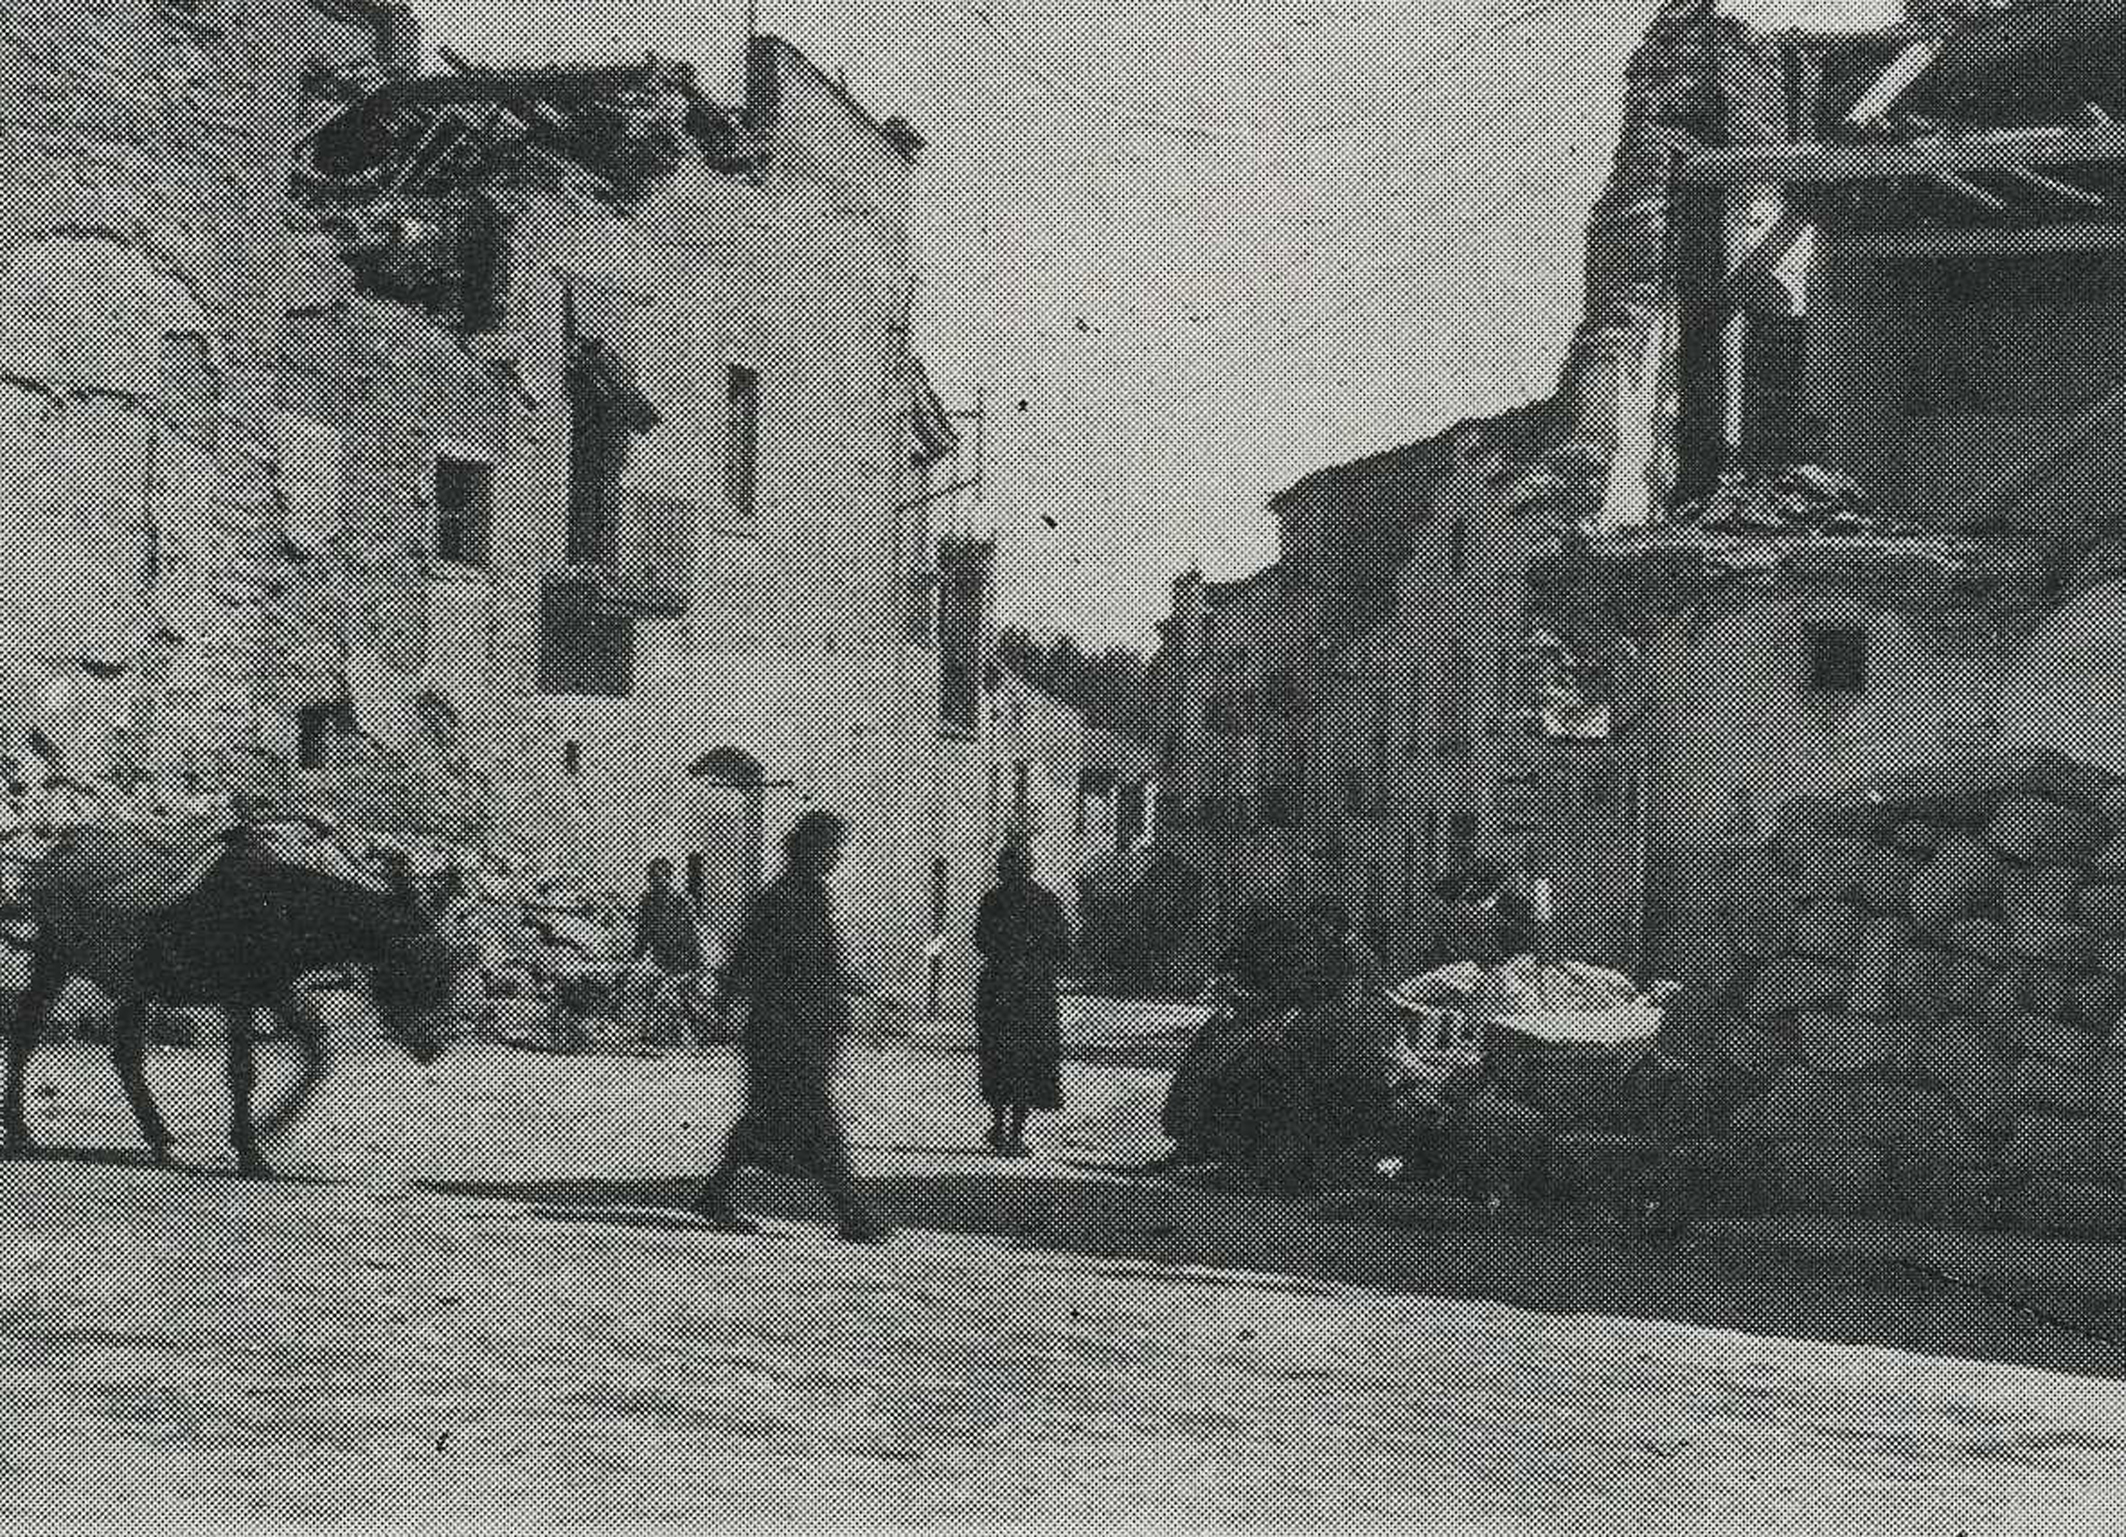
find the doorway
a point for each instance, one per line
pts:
(725, 840)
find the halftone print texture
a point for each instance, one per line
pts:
(568, 968)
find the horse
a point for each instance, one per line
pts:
(239, 939)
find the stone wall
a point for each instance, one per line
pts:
(1927, 1021)
(216, 457)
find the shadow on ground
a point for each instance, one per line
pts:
(1218, 1238)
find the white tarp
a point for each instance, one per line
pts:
(1564, 1002)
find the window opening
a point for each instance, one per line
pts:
(1837, 661)
(581, 650)
(465, 502)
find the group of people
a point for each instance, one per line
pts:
(787, 965)
(1308, 1063)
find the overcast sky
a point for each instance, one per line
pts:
(1209, 245)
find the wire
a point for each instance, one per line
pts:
(1016, 54)
(1495, 19)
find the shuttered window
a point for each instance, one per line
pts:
(582, 651)
(465, 509)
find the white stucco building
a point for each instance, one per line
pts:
(531, 458)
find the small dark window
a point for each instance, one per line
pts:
(697, 877)
(960, 670)
(1354, 790)
(318, 724)
(572, 759)
(1838, 661)
(465, 505)
(1280, 806)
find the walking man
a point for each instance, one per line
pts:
(667, 935)
(787, 963)
(1024, 937)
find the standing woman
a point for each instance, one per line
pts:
(1023, 937)
(457, 919)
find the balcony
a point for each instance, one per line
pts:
(650, 574)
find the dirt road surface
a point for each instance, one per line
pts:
(476, 1301)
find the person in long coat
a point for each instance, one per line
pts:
(668, 939)
(786, 961)
(457, 919)
(1024, 937)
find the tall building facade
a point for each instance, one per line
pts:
(531, 464)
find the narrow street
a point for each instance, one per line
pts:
(477, 1298)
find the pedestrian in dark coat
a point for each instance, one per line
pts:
(1024, 937)
(787, 962)
(668, 939)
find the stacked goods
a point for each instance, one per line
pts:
(1570, 1099)
(1925, 1019)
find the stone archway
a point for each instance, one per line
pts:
(724, 837)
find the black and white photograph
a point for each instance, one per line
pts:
(950, 766)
